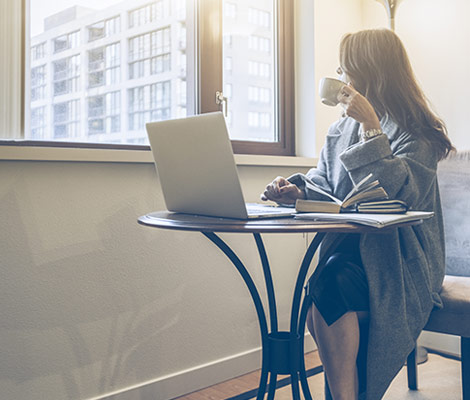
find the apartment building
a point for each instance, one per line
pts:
(100, 75)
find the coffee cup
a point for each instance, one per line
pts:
(329, 90)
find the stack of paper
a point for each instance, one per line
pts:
(376, 220)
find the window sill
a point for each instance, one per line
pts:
(64, 154)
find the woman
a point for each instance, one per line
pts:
(377, 289)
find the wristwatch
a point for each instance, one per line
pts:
(370, 133)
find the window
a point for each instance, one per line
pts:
(228, 90)
(259, 17)
(104, 113)
(66, 75)
(149, 53)
(230, 10)
(259, 69)
(65, 42)
(148, 103)
(149, 13)
(258, 94)
(103, 29)
(259, 43)
(259, 120)
(38, 51)
(228, 64)
(104, 65)
(38, 83)
(251, 50)
(66, 119)
(38, 122)
(155, 61)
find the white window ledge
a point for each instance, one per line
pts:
(33, 153)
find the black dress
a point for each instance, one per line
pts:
(342, 285)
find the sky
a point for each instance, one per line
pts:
(41, 9)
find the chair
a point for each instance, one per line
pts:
(454, 318)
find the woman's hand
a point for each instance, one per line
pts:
(282, 191)
(358, 107)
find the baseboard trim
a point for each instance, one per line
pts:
(196, 378)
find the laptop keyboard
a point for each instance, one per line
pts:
(260, 209)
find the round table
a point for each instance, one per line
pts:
(282, 351)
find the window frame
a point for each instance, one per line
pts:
(209, 79)
(210, 66)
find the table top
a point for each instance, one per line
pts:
(190, 222)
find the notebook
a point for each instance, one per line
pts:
(197, 171)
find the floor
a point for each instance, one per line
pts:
(438, 379)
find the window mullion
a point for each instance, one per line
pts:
(11, 68)
(209, 54)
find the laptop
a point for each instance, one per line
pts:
(197, 171)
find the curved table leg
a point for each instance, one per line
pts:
(271, 302)
(272, 385)
(269, 282)
(258, 305)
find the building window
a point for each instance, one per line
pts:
(228, 90)
(66, 119)
(259, 120)
(259, 69)
(67, 41)
(228, 64)
(104, 28)
(259, 17)
(38, 83)
(104, 65)
(228, 40)
(38, 51)
(104, 113)
(230, 10)
(149, 13)
(149, 54)
(181, 98)
(66, 75)
(258, 94)
(149, 103)
(259, 43)
(38, 122)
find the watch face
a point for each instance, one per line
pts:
(372, 132)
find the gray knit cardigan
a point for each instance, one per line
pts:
(405, 266)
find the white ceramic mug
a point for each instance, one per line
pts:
(329, 90)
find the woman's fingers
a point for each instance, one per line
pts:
(346, 94)
(348, 89)
(288, 189)
(280, 190)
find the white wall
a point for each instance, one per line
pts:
(94, 303)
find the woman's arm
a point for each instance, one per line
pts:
(318, 175)
(408, 172)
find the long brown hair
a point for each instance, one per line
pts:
(377, 64)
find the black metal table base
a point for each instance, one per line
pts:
(282, 351)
